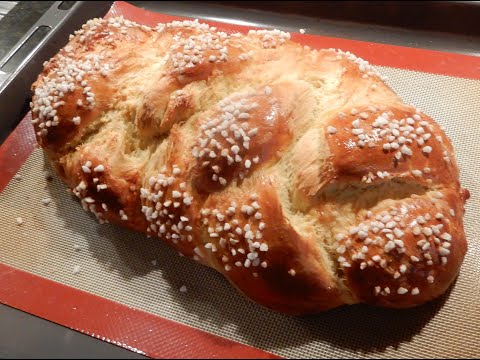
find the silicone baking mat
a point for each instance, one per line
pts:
(125, 288)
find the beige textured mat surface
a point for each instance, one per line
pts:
(117, 264)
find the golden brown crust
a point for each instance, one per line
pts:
(296, 173)
(411, 263)
(263, 254)
(396, 140)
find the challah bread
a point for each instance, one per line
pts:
(296, 173)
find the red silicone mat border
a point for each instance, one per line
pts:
(119, 324)
(129, 327)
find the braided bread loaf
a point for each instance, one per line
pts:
(296, 173)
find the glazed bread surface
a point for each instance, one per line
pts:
(296, 173)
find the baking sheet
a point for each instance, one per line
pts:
(144, 273)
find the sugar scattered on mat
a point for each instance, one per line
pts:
(47, 175)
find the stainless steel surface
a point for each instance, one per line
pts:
(5, 7)
(18, 21)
